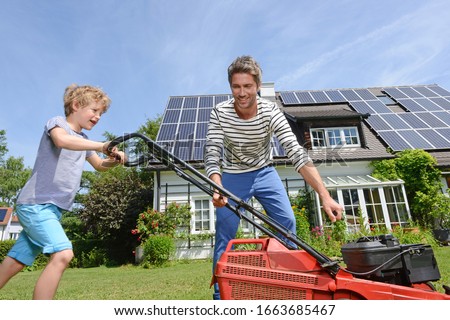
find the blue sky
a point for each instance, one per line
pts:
(143, 51)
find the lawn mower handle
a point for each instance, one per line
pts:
(182, 168)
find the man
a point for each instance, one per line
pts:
(243, 127)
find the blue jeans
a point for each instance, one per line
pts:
(265, 185)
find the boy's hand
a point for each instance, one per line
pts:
(106, 150)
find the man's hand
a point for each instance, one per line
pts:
(332, 209)
(219, 200)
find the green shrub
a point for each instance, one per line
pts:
(5, 246)
(94, 258)
(153, 222)
(158, 249)
(39, 263)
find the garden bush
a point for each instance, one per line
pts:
(158, 249)
(5, 246)
(152, 222)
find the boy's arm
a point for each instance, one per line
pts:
(62, 139)
(100, 164)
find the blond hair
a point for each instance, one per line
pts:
(84, 95)
(245, 64)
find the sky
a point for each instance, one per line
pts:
(141, 52)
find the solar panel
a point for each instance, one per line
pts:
(395, 93)
(436, 139)
(3, 214)
(320, 96)
(443, 103)
(395, 121)
(428, 104)
(362, 107)
(365, 94)
(183, 149)
(277, 148)
(188, 115)
(444, 116)
(411, 105)
(350, 95)
(431, 120)
(440, 91)
(424, 91)
(190, 102)
(335, 96)
(203, 115)
(379, 106)
(186, 131)
(175, 103)
(167, 132)
(171, 116)
(304, 97)
(289, 98)
(445, 132)
(219, 99)
(394, 140)
(377, 123)
(415, 139)
(413, 120)
(410, 92)
(199, 149)
(206, 102)
(201, 130)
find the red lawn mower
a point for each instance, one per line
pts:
(377, 268)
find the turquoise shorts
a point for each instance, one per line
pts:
(42, 233)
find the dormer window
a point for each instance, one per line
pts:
(335, 137)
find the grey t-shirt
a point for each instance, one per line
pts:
(57, 172)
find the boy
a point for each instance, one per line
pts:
(55, 180)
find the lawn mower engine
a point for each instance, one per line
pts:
(381, 258)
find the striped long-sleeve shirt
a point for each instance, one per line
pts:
(246, 144)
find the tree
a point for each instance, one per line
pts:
(111, 201)
(3, 147)
(111, 208)
(13, 174)
(418, 169)
(151, 127)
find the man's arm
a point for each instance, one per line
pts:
(330, 206)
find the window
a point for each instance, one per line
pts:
(374, 207)
(351, 208)
(14, 236)
(386, 100)
(202, 217)
(334, 137)
(396, 205)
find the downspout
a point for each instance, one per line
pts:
(157, 185)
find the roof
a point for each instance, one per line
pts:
(5, 215)
(328, 112)
(394, 117)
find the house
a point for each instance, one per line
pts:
(343, 131)
(9, 224)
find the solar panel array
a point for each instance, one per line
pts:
(185, 123)
(424, 124)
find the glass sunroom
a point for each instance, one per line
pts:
(367, 201)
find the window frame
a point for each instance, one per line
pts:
(321, 137)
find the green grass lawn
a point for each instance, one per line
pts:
(183, 280)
